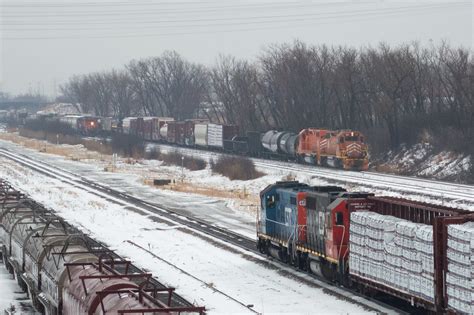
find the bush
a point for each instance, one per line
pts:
(234, 167)
(128, 145)
(50, 137)
(153, 153)
(190, 162)
(49, 126)
(99, 146)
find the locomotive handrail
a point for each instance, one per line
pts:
(342, 241)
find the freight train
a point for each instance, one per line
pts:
(85, 125)
(66, 272)
(417, 252)
(345, 149)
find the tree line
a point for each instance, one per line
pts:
(395, 95)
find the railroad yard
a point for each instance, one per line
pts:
(236, 157)
(192, 236)
(234, 278)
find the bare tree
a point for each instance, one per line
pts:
(236, 86)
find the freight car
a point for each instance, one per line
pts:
(152, 126)
(344, 149)
(417, 252)
(66, 272)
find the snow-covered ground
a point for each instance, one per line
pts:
(232, 273)
(207, 266)
(422, 160)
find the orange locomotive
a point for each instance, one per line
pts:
(342, 148)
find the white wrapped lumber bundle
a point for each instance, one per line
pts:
(393, 252)
(459, 278)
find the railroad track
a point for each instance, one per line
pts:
(439, 190)
(216, 234)
(97, 247)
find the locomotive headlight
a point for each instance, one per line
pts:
(92, 123)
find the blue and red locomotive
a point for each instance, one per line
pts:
(308, 226)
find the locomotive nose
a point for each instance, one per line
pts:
(354, 150)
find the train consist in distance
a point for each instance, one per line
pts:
(344, 149)
(417, 252)
(66, 272)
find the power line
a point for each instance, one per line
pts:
(251, 19)
(200, 8)
(144, 35)
(161, 11)
(17, 4)
(217, 3)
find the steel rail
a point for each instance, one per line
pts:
(204, 228)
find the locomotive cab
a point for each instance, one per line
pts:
(337, 229)
(352, 150)
(308, 227)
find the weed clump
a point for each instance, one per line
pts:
(233, 167)
(128, 146)
(190, 162)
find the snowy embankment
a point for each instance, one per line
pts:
(422, 160)
(207, 266)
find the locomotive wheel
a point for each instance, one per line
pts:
(299, 261)
(267, 247)
(261, 246)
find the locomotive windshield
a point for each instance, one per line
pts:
(352, 138)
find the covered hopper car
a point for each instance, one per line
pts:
(67, 272)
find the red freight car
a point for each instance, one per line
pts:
(176, 132)
(148, 127)
(137, 127)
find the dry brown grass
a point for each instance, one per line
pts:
(75, 152)
(234, 167)
(50, 137)
(387, 168)
(98, 146)
(175, 158)
(242, 199)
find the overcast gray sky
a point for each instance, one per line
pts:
(46, 41)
